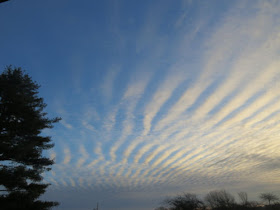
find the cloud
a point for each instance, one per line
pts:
(162, 94)
(84, 156)
(100, 155)
(187, 126)
(131, 97)
(110, 120)
(90, 115)
(107, 85)
(65, 124)
(73, 184)
(67, 155)
(52, 155)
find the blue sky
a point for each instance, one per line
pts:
(156, 97)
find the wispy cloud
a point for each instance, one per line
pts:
(107, 85)
(130, 99)
(163, 93)
(214, 123)
(84, 156)
(67, 155)
(100, 156)
(66, 125)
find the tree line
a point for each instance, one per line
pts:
(220, 200)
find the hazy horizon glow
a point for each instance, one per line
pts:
(157, 97)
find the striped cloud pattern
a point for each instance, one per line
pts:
(196, 110)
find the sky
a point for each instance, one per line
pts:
(156, 97)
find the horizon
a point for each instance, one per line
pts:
(157, 98)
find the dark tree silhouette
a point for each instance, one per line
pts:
(161, 208)
(187, 201)
(1, 1)
(220, 200)
(243, 196)
(21, 161)
(268, 197)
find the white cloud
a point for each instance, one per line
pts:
(67, 155)
(107, 86)
(162, 94)
(65, 124)
(231, 131)
(52, 155)
(84, 156)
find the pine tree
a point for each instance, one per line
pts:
(22, 163)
